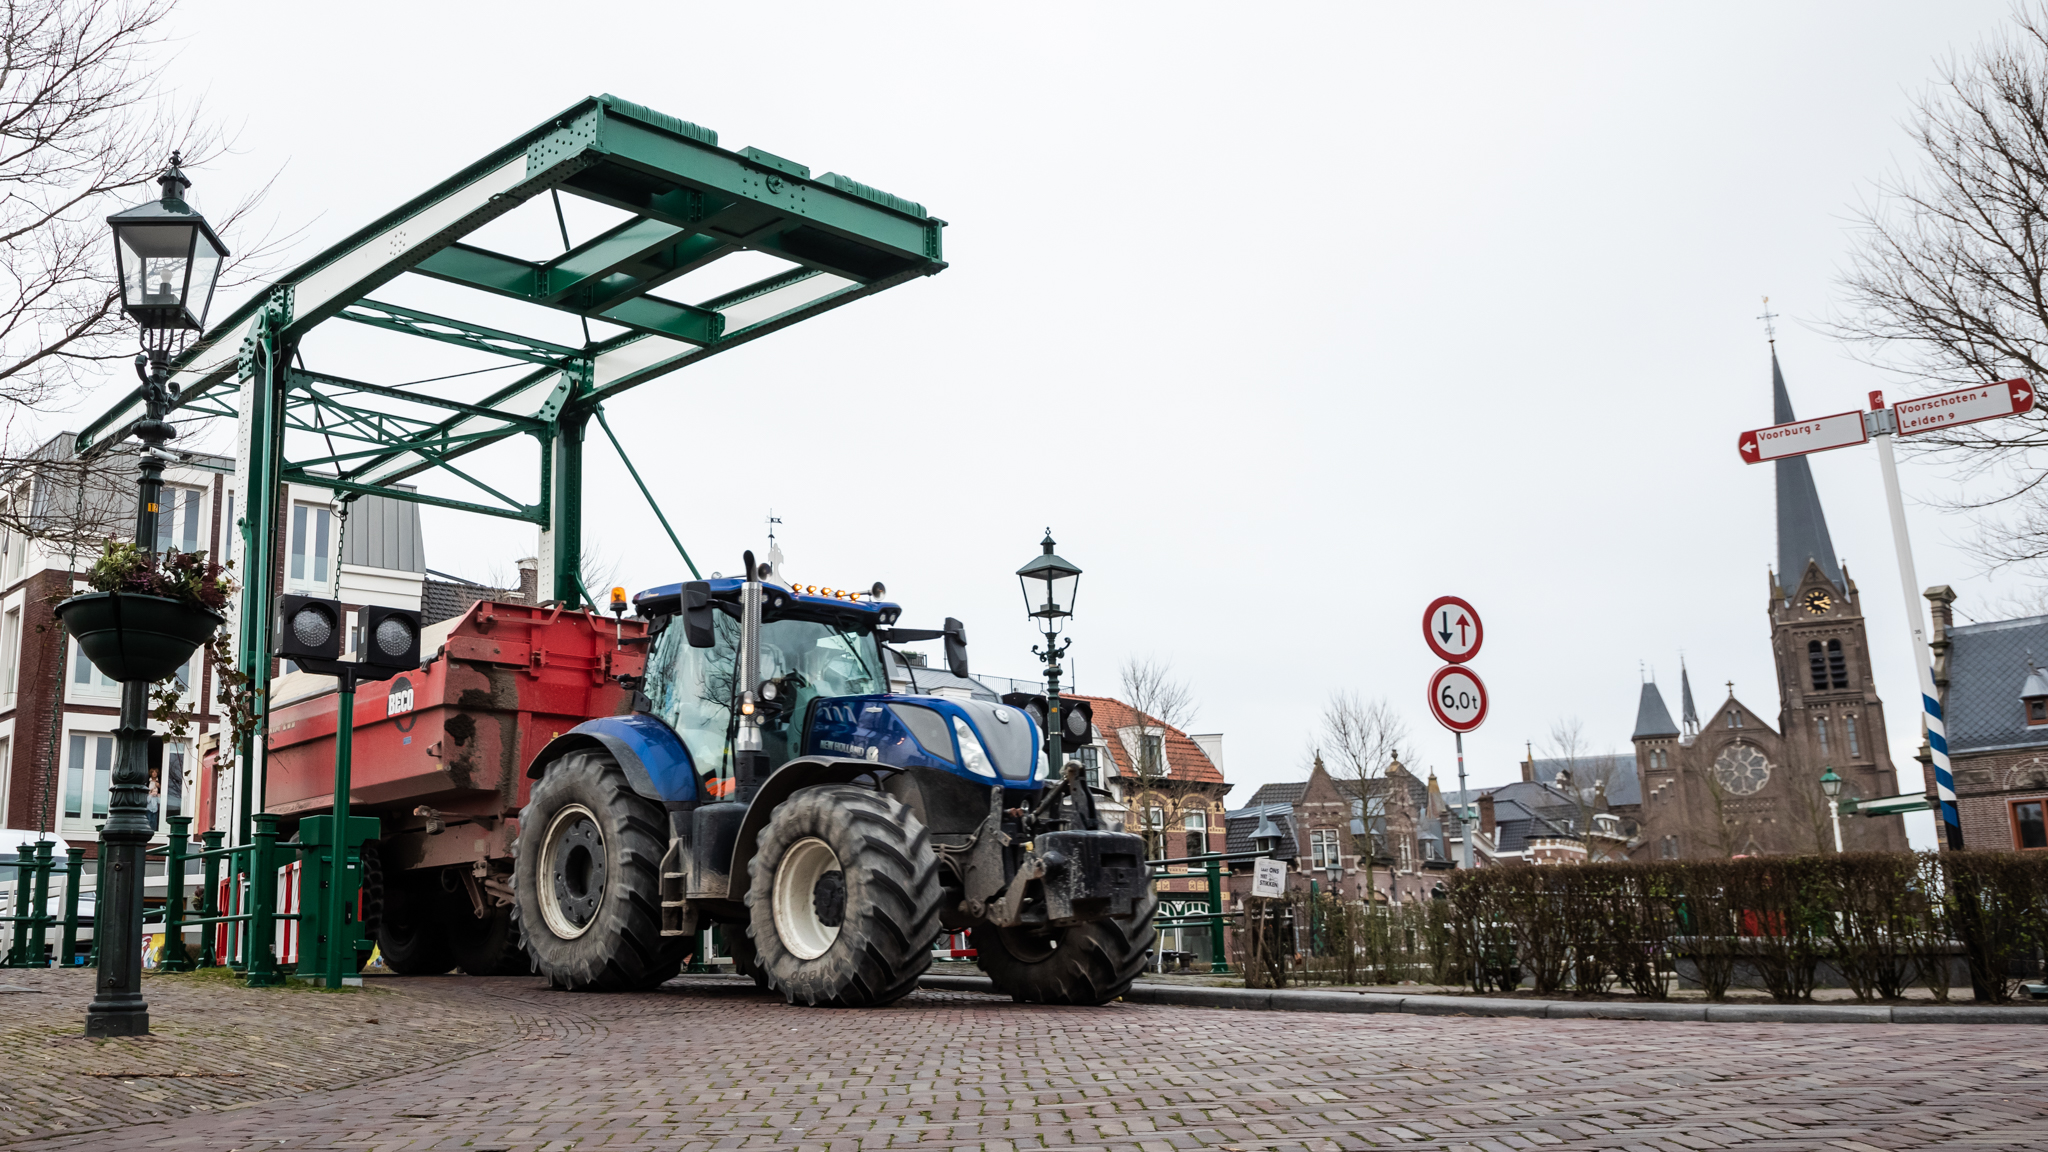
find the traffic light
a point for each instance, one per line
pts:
(309, 628)
(391, 640)
(1077, 717)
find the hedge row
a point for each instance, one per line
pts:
(1885, 921)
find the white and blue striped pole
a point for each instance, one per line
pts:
(1881, 424)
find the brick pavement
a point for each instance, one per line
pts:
(708, 1064)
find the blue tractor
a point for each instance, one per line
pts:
(769, 781)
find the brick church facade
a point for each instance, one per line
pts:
(1734, 784)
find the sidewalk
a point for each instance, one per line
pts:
(1303, 1000)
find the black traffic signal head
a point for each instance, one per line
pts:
(308, 628)
(1077, 723)
(391, 639)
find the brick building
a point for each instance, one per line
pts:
(1390, 835)
(1995, 704)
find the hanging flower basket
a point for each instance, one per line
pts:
(136, 637)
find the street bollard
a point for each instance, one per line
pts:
(1219, 959)
(99, 885)
(74, 875)
(209, 872)
(175, 957)
(259, 943)
(24, 869)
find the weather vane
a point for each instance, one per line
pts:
(1770, 328)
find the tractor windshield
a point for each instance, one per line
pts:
(693, 690)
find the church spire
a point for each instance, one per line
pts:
(1802, 527)
(1689, 717)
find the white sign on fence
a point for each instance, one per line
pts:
(1269, 878)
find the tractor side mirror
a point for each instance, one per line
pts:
(956, 648)
(697, 626)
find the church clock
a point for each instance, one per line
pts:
(1818, 601)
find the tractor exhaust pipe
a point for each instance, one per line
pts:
(750, 761)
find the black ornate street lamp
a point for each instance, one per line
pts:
(168, 260)
(1049, 583)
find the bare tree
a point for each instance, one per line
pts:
(1360, 738)
(84, 127)
(1161, 702)
(1946, 285)
(1588, 778)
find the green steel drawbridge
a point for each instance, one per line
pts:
(676, 204)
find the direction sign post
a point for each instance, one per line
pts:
(1451, 628)
(1907, 418)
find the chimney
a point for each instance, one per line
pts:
(1211, 744)
(1486, 815)
(529, 579)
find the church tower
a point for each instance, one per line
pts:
(1829, 711)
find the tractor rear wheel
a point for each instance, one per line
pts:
(844, 897)
(405, 914)
(587, 880)
(1090, 963)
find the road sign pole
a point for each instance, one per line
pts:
(1465, 841)
(1909, 585)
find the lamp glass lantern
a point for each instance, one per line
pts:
(168, 259)
(1049, 584)
(1830, 784)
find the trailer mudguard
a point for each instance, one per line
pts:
(653, 757)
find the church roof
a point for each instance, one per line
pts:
(1687, 712)
(1802, 528)
(1988, 667)
(1652, 717)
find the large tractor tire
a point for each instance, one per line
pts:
(404, 913)
(587, 880)
(745, 960)
(844, 895)
(1090, 963)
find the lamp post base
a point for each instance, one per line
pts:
(113, 1018)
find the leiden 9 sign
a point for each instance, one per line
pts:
(1457, 698)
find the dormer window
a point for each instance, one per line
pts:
(2034, 698)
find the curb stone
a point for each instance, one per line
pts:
(1285, 1000)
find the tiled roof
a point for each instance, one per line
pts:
(1186, 763)
(1287, 792)
(1238, 827)
(1988, 664)
(1652, 717)
(1624, 786)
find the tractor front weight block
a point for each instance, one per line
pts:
(1089, 875)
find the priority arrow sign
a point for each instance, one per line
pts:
(1802, 437)
(1963, 406)
(1452, 630)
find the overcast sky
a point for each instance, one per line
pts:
(1286, 319)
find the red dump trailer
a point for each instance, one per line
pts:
(440, 758)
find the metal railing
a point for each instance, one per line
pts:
(237, 921)
(1214, 919)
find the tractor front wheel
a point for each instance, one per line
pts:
(1090, 963)
(843, 893)
(587, 880)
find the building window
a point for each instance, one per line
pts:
(2029, 830)
(1407, 857)
(312, 535)
(1323, 850)
(1849, 725)
(89, 775)
(1820, 729)
(1091, 765)
(2037, 711)
(1152, 755)
(1155, 818)
(1669, 848)
(1197, 826)
(10, 658)
(177, 519)
(1838, 666)
(86, 677)
(1816, 666)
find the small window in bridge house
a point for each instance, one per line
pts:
(2029, 830)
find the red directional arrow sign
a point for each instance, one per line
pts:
(1801, 437)
(1964, 406)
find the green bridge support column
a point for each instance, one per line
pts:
(265, 361)
(564, 535)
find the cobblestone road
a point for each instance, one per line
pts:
(705, 1064)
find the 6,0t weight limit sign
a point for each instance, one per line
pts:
(1457, 698)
